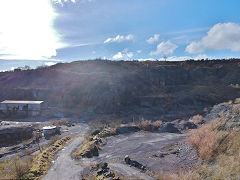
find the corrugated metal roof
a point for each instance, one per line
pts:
(20, 102)
(49, 127)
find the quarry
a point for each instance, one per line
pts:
(119, 120)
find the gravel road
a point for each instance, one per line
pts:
(64, 167)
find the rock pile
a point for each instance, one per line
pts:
(134, 163)
(104, 170)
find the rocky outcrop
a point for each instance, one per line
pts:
(170, 128)
(153, 90)
(127, 129)
(15, 135)
(134, 163)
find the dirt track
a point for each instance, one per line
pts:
(64, 167)
(142, 147)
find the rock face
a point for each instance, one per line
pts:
(91, 152)
(15, 135)
(185, 125)
(153, 90)
(169, 128)
(127, 129)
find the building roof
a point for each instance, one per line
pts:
(20, 102)
(49, 127)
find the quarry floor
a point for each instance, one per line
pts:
(144, 147)
(157, 151)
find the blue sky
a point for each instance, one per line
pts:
(41, 31)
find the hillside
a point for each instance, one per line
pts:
(152, 90)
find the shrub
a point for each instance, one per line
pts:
(149, 125)
(204, 140)
(21, 167)
(198, 119)
(61, 122)
(15, 168)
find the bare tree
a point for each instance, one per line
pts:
(165, 57)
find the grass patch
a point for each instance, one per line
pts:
(197, 119)
(42, 161)
(88, 149)
(149, 125)
(236, 109)
(217, 144)
(15, 168)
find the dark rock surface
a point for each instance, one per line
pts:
(134, 163)
(140, 146)
(185, 125)
(15, 135)
(127, 129)
(169, 128)
(153, 90)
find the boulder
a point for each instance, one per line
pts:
(103, 165)
(87, 154)
(95, 132)
(170, 128)
(188, 125)
(127, 129)
(134, 163)
(109, 175)
(127, 159)
(94, 151)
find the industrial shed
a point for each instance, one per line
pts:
(15, 107)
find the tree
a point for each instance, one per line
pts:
(165, 57)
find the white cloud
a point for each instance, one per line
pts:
(72, 1)
(119, 55)
(221, 36)
(50, 63)
(146, 59)
(119, 38)
(153, 39)
(165, 48)
(139, 51)
(27, 30)
(125, 54)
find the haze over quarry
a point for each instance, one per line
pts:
(66, 30)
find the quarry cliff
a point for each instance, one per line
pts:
(150, 89)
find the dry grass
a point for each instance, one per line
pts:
(15, 168)
(204, 140)
(53, 140)
(197, 119)
(218, 143)
(224, 104)
(236, 109)
(61, 122)
(87, 146)
(42, 161)
(149, 125)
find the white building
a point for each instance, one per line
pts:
(31, 108)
